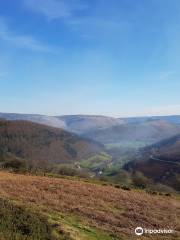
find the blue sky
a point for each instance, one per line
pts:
(117, 58)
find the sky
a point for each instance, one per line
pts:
(117, 58)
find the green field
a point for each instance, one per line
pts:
(97, 162)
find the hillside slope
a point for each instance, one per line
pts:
(73, 123)
(40, 143)
(146, 132)
(86, 211)
(125, 132)
(84, 123)
(171, 119)
(160, 161)
(36, 118)
(168, 149)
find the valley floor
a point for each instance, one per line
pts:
(85, 211)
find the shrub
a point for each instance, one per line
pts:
(139, 180)
(175, 182)
(161, 188)
(126, 188)
(68, 171)
(123, 177)
(19, 223)
(168, 194)
(15, 164)
(152, 192)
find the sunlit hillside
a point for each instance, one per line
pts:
(78, 210)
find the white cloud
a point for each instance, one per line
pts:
(55, 9)
(20, 40)
(90, 26)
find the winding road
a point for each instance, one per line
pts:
(161, 160)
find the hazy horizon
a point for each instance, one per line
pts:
(98, 115)
(90, 57)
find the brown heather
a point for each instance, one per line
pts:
(113, 210)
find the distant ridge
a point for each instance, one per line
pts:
(146, 132)
(85, 123)
(37, 118)
(39, 143)
(106, 129)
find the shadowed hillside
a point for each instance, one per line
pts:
(40, 144)
(36, 118)
(160, 162)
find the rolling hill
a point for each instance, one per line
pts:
(175, 119)
(160, 162)
(40, 143)
(113, 132)
(73, 123)
(84, 123)
(36, 118)
(144, 133)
